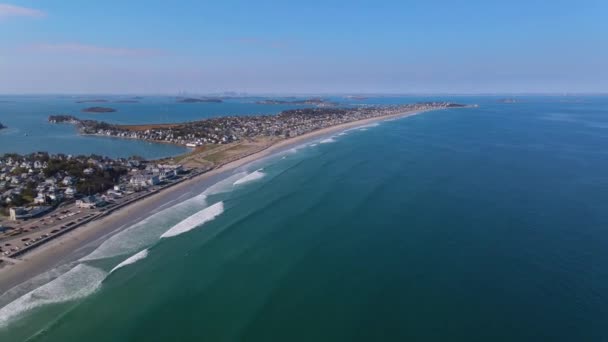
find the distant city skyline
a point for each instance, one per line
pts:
(313, 47)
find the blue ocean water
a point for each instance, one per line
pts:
(27, 115)
(471, 224)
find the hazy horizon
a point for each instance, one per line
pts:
(430, 47)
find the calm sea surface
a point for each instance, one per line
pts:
(478, 224)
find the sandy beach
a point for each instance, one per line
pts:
(82, 240)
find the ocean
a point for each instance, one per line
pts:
(475, 224)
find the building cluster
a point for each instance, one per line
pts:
(228, 129)
(33, 184)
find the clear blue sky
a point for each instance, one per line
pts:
(150, 46)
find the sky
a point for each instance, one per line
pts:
(331, 46)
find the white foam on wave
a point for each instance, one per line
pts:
(225, 185)
(250, 177)
(342, 133)
(79, 282)
(327, 141)
(131, 260)
(146, 232)
(198, 219)
(313, 145)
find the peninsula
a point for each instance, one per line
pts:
(225, 130)
(52, 196)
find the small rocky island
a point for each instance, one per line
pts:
(2, 126)
(98, 110)
(195, 100)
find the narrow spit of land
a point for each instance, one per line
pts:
(219, 161)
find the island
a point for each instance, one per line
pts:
(197, 100)
(2, 126)
(98, 110)
(312, 101)
(126, 101)
(92, 101)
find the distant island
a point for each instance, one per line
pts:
(196, 100)
(92, 101)
(2, 126)
(98, 110)
(126, 101)
(312, 101)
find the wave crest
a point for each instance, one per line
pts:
(131, 260)
(198, 219)
(250, 177)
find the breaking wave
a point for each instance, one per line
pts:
(250, 177)
(327, 141)
(146, 232)
(131, 260)
(76, 283)
(200, 218)
(225, 185)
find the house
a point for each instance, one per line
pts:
(70, 192)
(114, 193)
(67, 180)
(144, 180)
(88, 171)
(21, 213)
(55, 197)
(40, 199)
(90, 202)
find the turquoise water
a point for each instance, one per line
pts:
(483, 224)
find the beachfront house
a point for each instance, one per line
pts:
(143, 181)
(21, 213)
(90, 202)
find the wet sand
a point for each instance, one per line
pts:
(83, 240)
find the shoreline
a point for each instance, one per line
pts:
(59, 250)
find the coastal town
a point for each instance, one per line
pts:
(43, 196)
(225, 130)
(60, 192)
